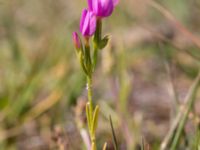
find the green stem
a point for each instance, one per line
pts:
(97, 40)
(97, 36)
(95, 56)
(89, 88)
(88, 62)
(91, 66)
(92, 135)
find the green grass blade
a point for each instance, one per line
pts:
(113, 135)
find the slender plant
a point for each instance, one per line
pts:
(87, 52)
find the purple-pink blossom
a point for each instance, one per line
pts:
(102, 8)
(87, 23)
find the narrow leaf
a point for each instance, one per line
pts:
(88, 116)
(113, 135)
(95, 119)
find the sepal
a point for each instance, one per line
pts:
(104, 42)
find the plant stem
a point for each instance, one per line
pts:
(92, 135)
(97, 41)
(89, 88)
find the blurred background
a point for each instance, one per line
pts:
(142, 76)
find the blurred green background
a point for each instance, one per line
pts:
(42, 87)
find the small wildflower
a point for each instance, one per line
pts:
(102, 8)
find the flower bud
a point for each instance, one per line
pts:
(76, 40)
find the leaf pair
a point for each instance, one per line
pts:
(92, 118)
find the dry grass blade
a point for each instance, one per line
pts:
(105, 146)
(86, 138)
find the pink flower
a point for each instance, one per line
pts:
(87, 23)
(102, 8)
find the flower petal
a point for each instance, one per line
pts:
(115, 2)
(86, 27)
(84, 13)
(102, 8)
(92, 26)
(107, 7)
(90, 5)
(96, 6)
(88, 23)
